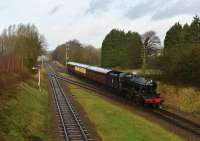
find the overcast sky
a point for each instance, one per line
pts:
(90, 20)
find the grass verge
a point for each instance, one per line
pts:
(25, 115)
(114, 123)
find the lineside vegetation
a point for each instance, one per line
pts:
(24, 114)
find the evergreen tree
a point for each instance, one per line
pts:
(173, 37)
(182, 48)
(134, 49)
(114, 49)
(194, 31)
(186, 34)
(120, 49)
(106, 51)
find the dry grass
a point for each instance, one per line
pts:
(183, 99)
(7, 80)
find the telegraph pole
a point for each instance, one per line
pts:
(67, 54)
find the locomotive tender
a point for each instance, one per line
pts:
(133, 87)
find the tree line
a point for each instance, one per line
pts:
(177, 61)
(180, 60)
(20, 45)
(77, 52)
(128, 50)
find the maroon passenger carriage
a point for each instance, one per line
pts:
(97, 74)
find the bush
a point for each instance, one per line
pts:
(186, 99)
(182, 64)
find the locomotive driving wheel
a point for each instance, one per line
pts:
(139, 100)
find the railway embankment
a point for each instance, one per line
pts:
(24, 113)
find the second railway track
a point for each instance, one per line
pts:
(71, 127)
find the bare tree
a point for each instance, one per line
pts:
(150, 43)
(20, 43)
(77, 52)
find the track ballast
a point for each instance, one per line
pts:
(71, 127)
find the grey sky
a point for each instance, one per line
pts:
(55, 9)
(98, 5)
(179, 7)
(146, 8)
(90, 20)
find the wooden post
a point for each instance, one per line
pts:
(39, 79)
(39, 76)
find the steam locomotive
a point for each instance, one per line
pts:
(131, 86)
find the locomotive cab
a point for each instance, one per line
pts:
(125, 81)
(113, 79)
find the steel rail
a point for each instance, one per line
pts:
(59, 111)
(58, 92)
(72, 111)
(80, 84)
(178, 121)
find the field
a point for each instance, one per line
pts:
(114, 123)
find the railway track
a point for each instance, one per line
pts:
(80, 84)
(180, 122)
(172, 118)
(70, 125)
